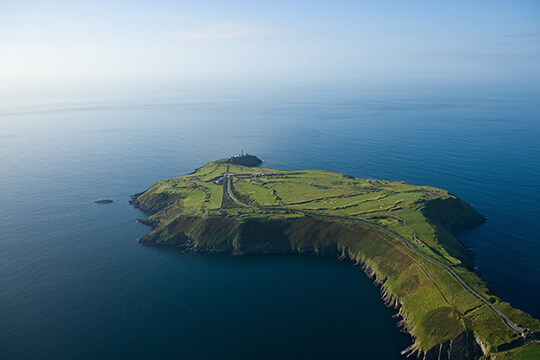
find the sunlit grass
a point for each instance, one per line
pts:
(272, 212)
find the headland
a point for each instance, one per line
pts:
(401, 235)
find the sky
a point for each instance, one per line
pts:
(205, 41)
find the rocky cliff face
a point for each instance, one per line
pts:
(466, 346)
(298, 236)
(462, 347)
(449, 217)
(246, 215)
(240, 237)
(452, 214)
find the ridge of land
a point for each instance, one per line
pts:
(401, 234)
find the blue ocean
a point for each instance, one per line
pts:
(74, 283)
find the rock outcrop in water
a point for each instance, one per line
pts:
(103, 201)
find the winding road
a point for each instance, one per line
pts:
(427, 257)
(518, 329)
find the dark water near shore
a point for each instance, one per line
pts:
(74, 283)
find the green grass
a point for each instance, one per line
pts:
(272, 218)
(530, 351)
(256, 192)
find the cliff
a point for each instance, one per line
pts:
(400, 234)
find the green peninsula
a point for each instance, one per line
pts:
(401, 235)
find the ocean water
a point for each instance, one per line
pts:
(75, 284)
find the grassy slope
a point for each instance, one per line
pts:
(438, 308)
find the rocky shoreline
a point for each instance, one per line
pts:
(429, 280)
(466, 346)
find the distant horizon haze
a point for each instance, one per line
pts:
(66, 44)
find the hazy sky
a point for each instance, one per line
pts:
(60, 41)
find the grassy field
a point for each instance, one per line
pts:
(311, 211)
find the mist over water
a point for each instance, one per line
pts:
(74, 283)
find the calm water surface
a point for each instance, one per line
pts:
(74, 283)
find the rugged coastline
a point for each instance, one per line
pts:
(455, 326)
(462, 347)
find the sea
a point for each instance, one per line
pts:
(75, 284)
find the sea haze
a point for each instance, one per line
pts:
(75, 284)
